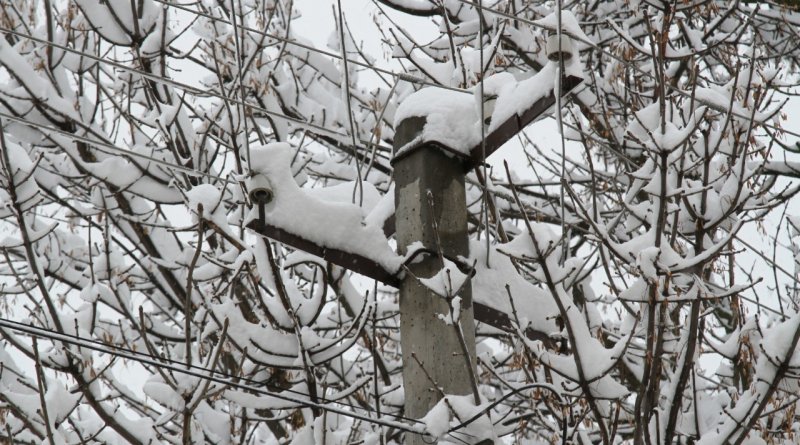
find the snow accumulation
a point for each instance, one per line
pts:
(382, 210)
(366, 195)
(647, 128)
(447, 281)
(22, 169)
(569, 26)
(210, 198)
(334, 225)
(34, 85)
(776, 348)
(534, 307)
(437, 421)
(451, 118)
(451, 411)
(777, 342)
(107, 20)
(516, 98)
(596, 359)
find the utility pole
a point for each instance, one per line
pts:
(427, 167)
(435, 360)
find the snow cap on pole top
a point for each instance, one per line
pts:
(451, 121)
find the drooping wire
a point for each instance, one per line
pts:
(230, 380)
(402, 76)
(505, 397)
(100, 145)
(194, 90)
(203, 373)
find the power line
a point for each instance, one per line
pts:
(113, 148)
(104, 146)
(189, 88)
(221, 377)
(203, 373)
(401, 76)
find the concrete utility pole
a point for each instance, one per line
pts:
(425, 339)
(423, 167)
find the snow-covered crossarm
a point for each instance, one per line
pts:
(503, 130)
(488, 306)
(451, 121)
(334, 231)
(339, 232)
(507, 300)
(493, 288)
(358, 263)
(297, 219)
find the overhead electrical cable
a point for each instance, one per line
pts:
(402, 76)
(115, 149)
(189, 88)
(203, 373)
(220, 376)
